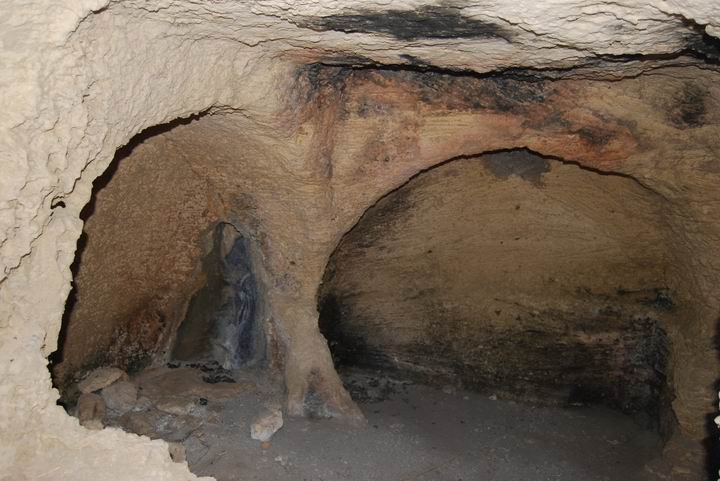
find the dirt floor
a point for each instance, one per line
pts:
(413, 433)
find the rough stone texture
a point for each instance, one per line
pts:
(81, 78)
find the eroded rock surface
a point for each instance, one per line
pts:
(80, 79)
(539, 279)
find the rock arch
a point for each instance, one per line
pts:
(85, 78)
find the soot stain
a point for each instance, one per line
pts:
(625, 372)
(314, 79)
(384, 215)
(689, 109)
(425, 22)
(702, 44)
(416, 61)
(319, 85)
(346, 348)
(508, 93)
(521, 163)
(658, 298)
(349, 61)
(458, 92)
(594, 137)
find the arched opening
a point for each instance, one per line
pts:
(520, 279)
(168, 316)
(164, 271)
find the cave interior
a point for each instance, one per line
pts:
(525, 287)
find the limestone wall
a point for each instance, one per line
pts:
(81, 78)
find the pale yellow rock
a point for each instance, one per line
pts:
(80, 78)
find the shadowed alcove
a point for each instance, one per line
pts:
(514, 275)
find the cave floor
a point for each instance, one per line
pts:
(413, 433)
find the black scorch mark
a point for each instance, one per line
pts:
(425, 22)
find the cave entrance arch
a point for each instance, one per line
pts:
(512, 274)
(167, 269)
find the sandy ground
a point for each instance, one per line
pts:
(419, 433)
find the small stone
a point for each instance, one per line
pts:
(120, 397)
(266, 424)
(449, 389)
(264, 445)
(195, 450)
(177, 452)
(179, 407)
(493, 397)
(143, 404)
(158, 425)
(91, 411)
(141, 423)
(101, 378)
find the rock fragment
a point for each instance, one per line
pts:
(120, 397)
(177, 452)
(101, 378)
(91, 411)
(177, 406)
(266, 424)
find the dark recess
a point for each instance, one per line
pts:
(100, 358)
(220, 321)
(521, 163)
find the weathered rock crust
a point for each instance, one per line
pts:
(81, 78)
